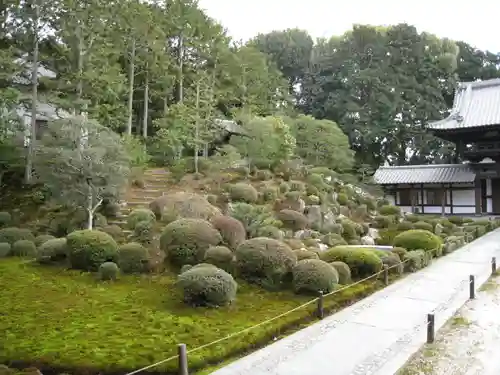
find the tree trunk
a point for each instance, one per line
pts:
(79, 85)
(131, 75)
(197, 128)
(180, 77)
(90, 205)
(34, 97)
(145, 116)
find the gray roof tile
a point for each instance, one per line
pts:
(418, 174)
(476, 104)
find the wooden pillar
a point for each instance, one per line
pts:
(478, 197)
(412, 198)
(443, 201)
(422, 198)
(451, 199)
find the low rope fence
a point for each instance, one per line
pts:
(371, 362)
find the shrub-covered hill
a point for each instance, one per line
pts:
(213, 258)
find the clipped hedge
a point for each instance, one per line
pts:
(138, 215)
(23, 248)
(242, 192)
(417, 239)
(133, 258)
(13, 234)
(303, 254)
(361, 261)
(4, 249)
(311, 276)
(39, 240)
(389, 209)
(343, 271)
(221, 257)
(293, 220)
(108, 271)
(54, 250)
(232, 230)
(88, 249)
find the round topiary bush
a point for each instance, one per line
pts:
(389, 209)
(406, 225)
(185, 268)
(54, 250)
(5, 219)
(361, 261)
(311, 276)
(342, 199)
(138, 215)
(423, 226)
(41, 239)
(416, 239)
(108, 271)
(333, 239)
(270, 232)
(303, 254)
(269, 194)
(294, 243)
(293, 220)
(23, 248)
(185, 241)
(221, 257)
(382, 222)
(207, 286)
(183, 205)
(401, 252)
(5, 249)
(415, 260)
(133, 258)
(343, 271)
(242, 192)
(12, 234)
(114, 231)
(232, 230)
(265, 261)
(88, 249)
(349, 230)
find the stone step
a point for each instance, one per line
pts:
(134, 205)
(156, 171)
(150, 191)
(117, 222)
(140, 198)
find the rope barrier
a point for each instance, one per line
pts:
(314, 300)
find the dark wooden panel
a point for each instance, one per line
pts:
(495, 195)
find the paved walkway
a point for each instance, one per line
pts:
(377, 335)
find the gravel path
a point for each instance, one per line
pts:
(469, 344)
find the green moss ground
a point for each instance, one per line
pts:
(68, 319)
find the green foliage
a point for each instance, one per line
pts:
(342, 199)
(407, 225)
(383, 222)
(143, 232)
(108, 271)
(242, 192)
(136, 151)
(183, 205)
(138, 215)
(293, 220)
(303, 254)
(220, 256)
(88, 249)
(270, 232)
(12, 234)
(185, 241)
(389, 210)
(401, 252)
(417, 239)
(23, 248)
(415, 260)
(54, 250)
(333, 239)
(311, 276)
(253, 218)
(233, 232)
(207, 286)
(264, 261)
(423, 226)
(343, 271)
(5, 219)
(5, 249)
(41, 239)
(362, 262)
(133, 258)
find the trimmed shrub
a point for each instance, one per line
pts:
(293, 220)
(253, 218)
(39, 240)
(185, 268)
(311, 276)
(401, 252)
(382, 222)
(88, 249)
(393, 262)
(143, 232)
(114, 231)
(207, 286)
(23, 248)
(389, 209)
(5, 219)
(415, 260)
(333, 239)
(12, 234)
(417, 239)
(233, 232)
(263, 175)
(265, 261)
(405, 225)
(361, 261)
(185, 241)
(138, 215)
(423, 226)
(386, 237)
(4, 249)
(343, 199)
(349, 230)
(54, 250)
(183, 205)
(242, 192)
(294, 243)
(297, 186)
(133, 258)
(343, 271)
(284, 187)
(108, 271)
(303, 254)
(269, 194)
(270, 232)
(221, 257)
(312, 200)
(457, 220)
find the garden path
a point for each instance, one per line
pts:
(379, 334)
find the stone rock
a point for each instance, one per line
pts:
(314, 216)
(373, 233)
(438, 229)
(306, 233)
(367, 240)
(302, 205)
(322, 247)
(335, 196)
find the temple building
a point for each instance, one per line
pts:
(472, 187)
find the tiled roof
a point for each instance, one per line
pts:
(424, 174)
(231, 126)
(476, 104)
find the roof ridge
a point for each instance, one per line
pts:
(424, 166)
(480, 84)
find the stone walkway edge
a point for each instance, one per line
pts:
(378, 335)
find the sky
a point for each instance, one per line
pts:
(454, 19)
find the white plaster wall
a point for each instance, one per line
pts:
(489, 205)
(391, 198)
(464, 210)
(464, 197)
(436, 210)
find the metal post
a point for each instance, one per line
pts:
(183, 361)
(493, 265)
(386, 274)
(472, 287)
(430, 328)
(320, 310)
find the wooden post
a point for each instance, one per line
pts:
(493, 265)
(430, 328)
(183, 361)
(472, 287)
(320, 310)
(478, 198)
(386, 275)
(443, 201)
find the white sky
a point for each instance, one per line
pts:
(476, 22)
